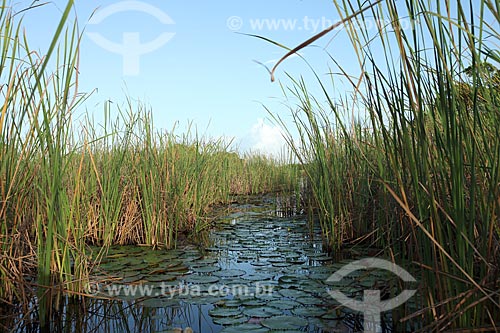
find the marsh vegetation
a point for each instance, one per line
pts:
(407, 166)
(409, 162)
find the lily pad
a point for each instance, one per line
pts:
(201, 279)
(132, 279)
(204, 262)
(258, 277)
(205, 269)
(284, 323)
(246, 257)
(130, 274)
(161, 278)
(262, 312)
(178, 268)
(281, 264)
(274, 260)
(293, 293)
(231, 303)
(309, 311)
(296, 261)
(309, 300)
(259, 263)
(254, 302)
(290, 279)
(283, 304)
(230, 273)
(116, 255)
(243, 328)
(230, 320)
(159, 303)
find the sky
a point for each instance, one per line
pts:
(190, 62)
(193, 64)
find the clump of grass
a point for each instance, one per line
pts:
(65, 186)
(148, 186)
(36, 212)
(255, 173)
(419, 174)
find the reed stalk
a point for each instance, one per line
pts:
(416, 171)
(66, 185)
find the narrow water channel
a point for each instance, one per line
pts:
(263, 271)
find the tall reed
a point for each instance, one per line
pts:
(36, 209)
(147, 186)
(417, 169)
(64, 186)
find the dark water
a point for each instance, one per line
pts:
(264, 271)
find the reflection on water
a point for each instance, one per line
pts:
(262, 272)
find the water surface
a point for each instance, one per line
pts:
(263, 271)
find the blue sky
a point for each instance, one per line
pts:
(205, 74)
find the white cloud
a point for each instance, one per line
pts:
(264, 138)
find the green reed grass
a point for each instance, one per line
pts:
(64, 186)
(36, 106)
(419, 173)
(147, 186)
